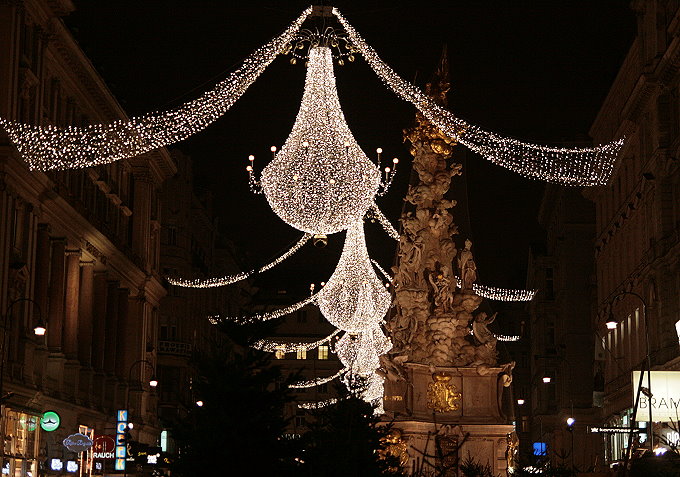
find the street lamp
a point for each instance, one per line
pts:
(547, 379)
(39, 330)
(612, 319)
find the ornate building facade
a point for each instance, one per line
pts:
(637, 237)
(80, 249)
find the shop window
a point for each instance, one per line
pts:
(301, 353)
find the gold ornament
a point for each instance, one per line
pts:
(442, 396)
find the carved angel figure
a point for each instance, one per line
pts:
(480, 328)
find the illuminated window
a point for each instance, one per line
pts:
(280, 354)
(323, 352)
(301, 353)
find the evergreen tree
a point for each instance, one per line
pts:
(239, 429)
(346, 440)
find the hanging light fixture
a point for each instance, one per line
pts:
(354, 299)
(320, 181)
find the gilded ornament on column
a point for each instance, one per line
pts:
(442, 395)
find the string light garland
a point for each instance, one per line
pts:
(320, 181)
(508, 338)
(501, 294)
(229, 279)
(375, 213)
(271, 315)
(354, 298)
(567, 166)
(51, 147)
(317, 381)
(385, 275)
(273, 346)
(318, 404)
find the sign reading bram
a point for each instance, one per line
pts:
(665, 396)
(78, 443)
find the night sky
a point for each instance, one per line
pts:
(534, 70)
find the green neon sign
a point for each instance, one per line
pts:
(50, 421)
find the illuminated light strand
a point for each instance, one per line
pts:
(375, 213)
(501, 294)
(272, 346)
(566, 166)
(354, 299)
(385, 275)
(318, 404)
(317, 381)
(271, 315)
(51, 147)
(320, 181)
(229, 279)
(508, 338)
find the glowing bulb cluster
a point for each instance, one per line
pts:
(566, 166)
(318, 404)
(320, 181)
(229, 279)
(354, 298)
(51, 147)
(375, 213)
(360, 352)
(501, 294)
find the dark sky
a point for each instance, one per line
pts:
(535, 70)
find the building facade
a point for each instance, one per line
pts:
(637, 238)
(191, 247)
(79, 250)
(562, 367)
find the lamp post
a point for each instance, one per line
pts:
(153, 382)
(611, 322)
(39, 330)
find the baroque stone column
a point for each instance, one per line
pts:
(71, 304)
(99, 336)
(71, 308)
(110, 344)
(85, 326)
(42, 268)
(141, 216)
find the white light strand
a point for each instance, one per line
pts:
(271, 315)
(318, 404)
(566, 166)
(502, 294)
(385, 275)
(375, 213)
(317, 381)
(51, 147)
(229, 279)
(508, 338)
(272, 346)
(320, 181)
(354, 298)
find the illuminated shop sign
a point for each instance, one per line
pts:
(50, 421)
(56, 464)
(78, 443)
(665, 400)
(121, 445)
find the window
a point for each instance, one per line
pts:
(549, 284)
(301, 353)
(280, 353)
(525, 424)
(172, 235)
(323, 352)
(300, 419)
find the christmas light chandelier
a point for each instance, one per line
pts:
(354, 298)
(320, 181)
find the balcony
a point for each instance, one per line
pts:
(174, 348)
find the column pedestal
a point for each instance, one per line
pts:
(53, 379)
(460, 408)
